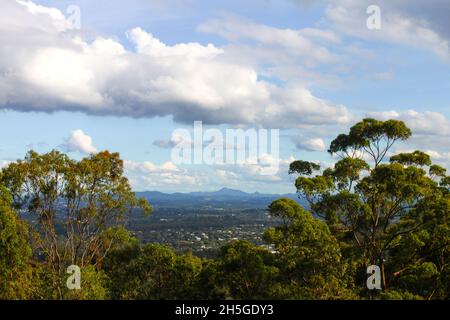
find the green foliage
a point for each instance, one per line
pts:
(395, 215)
(418, 158)
(398, 295)
(347, 171)
(421, 264)
(314, 188)
(152, 271)
(81, 200)
(15, 252)
(248, 272)
(303, 167)
(76, 205)
(309, 255)
(437, 171)
(49, 285)
(371, 136)
(93, 286)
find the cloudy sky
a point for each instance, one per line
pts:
(137, 70)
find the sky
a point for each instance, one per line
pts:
(84, 76)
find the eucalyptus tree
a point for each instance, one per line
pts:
(373, 204)
(15, 252)
(307, 253)
(72, 205)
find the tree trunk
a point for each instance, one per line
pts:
(383, 274)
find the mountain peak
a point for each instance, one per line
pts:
(231, 192)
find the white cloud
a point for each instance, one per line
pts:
(149, 167)
(413, 23)
(4, 163)
(430, 132)
(302, 43)
(315, 144)
(423, 123)
(147, 44)
(167, 176)
(44, 66)
(243, 175)
(439, 156)
(78, 141)
(306, 57)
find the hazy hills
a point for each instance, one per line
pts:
(223, 198)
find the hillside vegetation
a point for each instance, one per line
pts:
(372, 208)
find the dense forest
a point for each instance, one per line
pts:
(373, 208)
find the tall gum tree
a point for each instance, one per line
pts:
(373, 206)
(74, 205)
(15, 252)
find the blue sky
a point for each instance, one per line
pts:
(138, 70)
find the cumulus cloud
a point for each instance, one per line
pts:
(424, 123)
(4, 163)
(167, 176)
(78, 141)
(419, 24)
(430, 132)
(256, 169)
(439, 156)
(315, 144)
(147, 175)
(45, 66)
(242, 175)
(305, 57)
(304, 43)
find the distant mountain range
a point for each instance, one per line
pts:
(224, 198)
